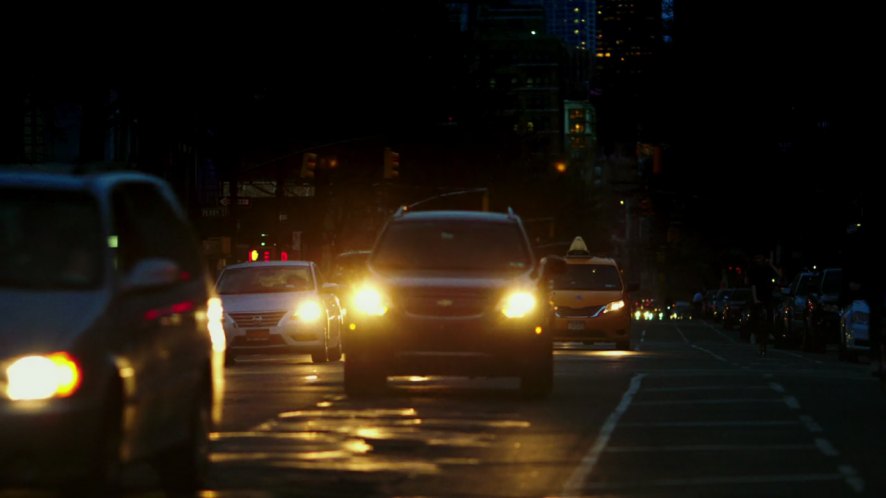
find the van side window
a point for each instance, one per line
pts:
(146, 226)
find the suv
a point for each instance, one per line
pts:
(451, 293)
(589, 300)
(111, 345)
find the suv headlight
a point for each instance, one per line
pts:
(518, 304)
(55, 375)
(370, 301)
(308, 311)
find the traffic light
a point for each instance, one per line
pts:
(392, 163)
(308, 164)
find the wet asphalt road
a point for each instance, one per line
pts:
(691, 411)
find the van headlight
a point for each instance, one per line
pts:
(518, 304)
(55, 375)
(614, 306)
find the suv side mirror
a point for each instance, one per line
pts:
(150, 273)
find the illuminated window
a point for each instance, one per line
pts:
(576, 10)
(575, 32)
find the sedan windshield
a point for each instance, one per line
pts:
(258, 280)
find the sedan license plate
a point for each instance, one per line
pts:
(576, 325)
(258, 335)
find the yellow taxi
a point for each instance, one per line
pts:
(588, 300)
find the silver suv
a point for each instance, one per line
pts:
(111, 344)
(450, 293)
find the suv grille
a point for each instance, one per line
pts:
(446, 302)
(566, 311)
(255, 320)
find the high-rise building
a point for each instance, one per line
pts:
(629, 38)
(574, 22)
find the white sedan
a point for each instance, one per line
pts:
(280, 307)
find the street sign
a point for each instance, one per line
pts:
(214, 212)
(224, 201)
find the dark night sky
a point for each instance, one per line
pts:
(744, 79)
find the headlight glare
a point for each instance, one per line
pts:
(370, 301)
(42, 377)
(614, 306)
(518, 304)
(309, 311)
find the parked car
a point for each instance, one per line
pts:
(790, 312)
(822, 317)
(734, 303)
(452, 293)
(280, 307)
(111, 348)
(854, 332)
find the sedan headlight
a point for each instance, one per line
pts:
(55, 375)
(370, 301)
(308, 311)
(518, 304)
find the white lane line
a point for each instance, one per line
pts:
(714, 480)
(796, 355)
(792, 402)
(775, 386)
(720, 333)
(710, 447)
(715, 355)
(852, 478)
(715, 423)
(825, 446)
(810, 424)
(722, 401)
(681, 334)
(700, 388)
(576, 482)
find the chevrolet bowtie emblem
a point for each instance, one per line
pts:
(444, 303)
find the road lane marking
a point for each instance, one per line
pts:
(700, 388)
(775, 386)
(715, 355)
(796, 355)
(852, 478)
(681, 334)
(715, 480)
(715, 423)
(720, 333)
(792, 402)
(576, 482)
(710, 447)
(825, 446)
(810, 423)
(722, 401)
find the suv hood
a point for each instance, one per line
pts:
(37, 322)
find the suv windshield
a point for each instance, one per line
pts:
(49, 239)
(588, 277)
(452, 246)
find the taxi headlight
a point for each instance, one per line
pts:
(614, 306)
(55, 375)
(369, 301)
(518, 304)
(308, 311)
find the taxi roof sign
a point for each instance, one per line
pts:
(578, 248)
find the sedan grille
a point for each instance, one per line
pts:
(566, 311)
(255, 320)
